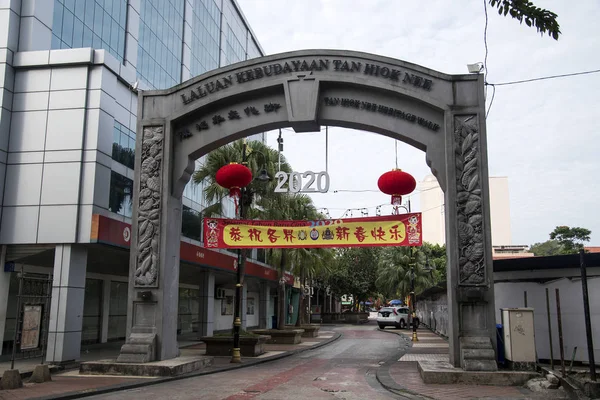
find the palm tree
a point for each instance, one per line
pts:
(399, 266)
(259, 156)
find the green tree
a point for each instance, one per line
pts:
(544, 21)
(435, 257)
(399, 266)
(355, 273)
(547, 248)
(570, 239)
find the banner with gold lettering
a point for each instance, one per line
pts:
(391, 230)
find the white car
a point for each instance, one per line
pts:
(397, 317)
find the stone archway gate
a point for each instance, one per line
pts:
(443, 115)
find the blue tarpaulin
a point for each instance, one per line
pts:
(395, 302)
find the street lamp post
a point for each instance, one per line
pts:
(245, 201)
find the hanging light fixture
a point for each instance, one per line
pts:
(396, 183)
(234, 176)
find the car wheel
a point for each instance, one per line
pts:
(402, 324)
(381, 326)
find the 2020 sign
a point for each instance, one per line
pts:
(297, 184)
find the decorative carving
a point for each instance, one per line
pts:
(149, 207)
(468, 201)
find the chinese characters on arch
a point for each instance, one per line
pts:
(392, 230)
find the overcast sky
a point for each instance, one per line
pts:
(541, 135)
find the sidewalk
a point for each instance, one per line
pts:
(402, 376)
(71, 385)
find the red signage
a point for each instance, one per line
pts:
(116, 233)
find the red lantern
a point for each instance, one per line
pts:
(396, 183)
(234, 176)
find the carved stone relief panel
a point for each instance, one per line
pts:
(472, 268)
(149, 208)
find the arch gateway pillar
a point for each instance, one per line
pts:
(443, 115)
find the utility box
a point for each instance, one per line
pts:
(519, 338)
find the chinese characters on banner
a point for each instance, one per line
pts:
(392, 230)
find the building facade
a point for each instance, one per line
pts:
(69, 75)
(434, 220)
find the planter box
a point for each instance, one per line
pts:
(250, 346)
(310, 330)
(355, 318)
(286, 336)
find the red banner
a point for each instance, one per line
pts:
(116, 233)
(392, 230)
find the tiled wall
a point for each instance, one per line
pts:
(59, 152)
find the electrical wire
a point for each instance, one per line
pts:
(485, 66)
(485, 39)
(491, 101)
(595, 71)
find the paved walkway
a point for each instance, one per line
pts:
(71, 385)
(402, 375)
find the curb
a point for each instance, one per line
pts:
(574, 392)
(125, 386)
(385, 379)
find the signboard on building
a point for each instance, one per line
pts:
(32, 320)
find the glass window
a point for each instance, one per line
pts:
(80, 10)
(67, 28)
(161, 37)
(77, 33)
(206, 21)
(57, 20)
(77, 20)
(191, 223)
(89, 13)
(123, 149)
(120, 196)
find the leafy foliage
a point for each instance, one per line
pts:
(545, 21)
(259, 156)
(570, 239)
(547, 248)
(402, 267)
(355, 272)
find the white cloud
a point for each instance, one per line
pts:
(542, 135)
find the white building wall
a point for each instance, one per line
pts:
(432, 206)
(511, 294)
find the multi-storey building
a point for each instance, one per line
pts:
(69, 75)
(434, 220)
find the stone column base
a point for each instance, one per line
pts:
(139, 348)
(477, 354)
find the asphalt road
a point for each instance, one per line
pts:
(344, 369)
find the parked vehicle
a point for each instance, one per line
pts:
(397, 317)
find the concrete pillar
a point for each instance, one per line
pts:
(105, 310)
(471, 322)
(66, 308)
(4, 286)
(263, 305)
(206, 308)
(244, 306)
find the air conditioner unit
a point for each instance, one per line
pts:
(220, 293)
